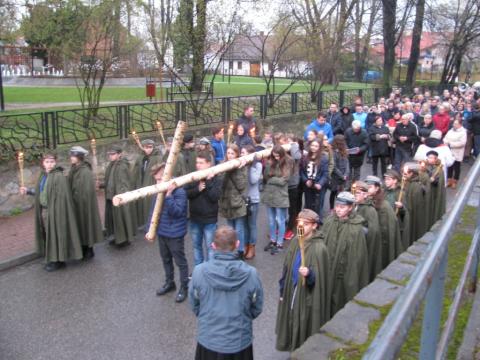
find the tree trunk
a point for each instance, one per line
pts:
(416, 38)
(389, 18)
(198, 48)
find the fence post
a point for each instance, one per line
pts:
(376, 94)
(226, 110)
(432, 313)
(263, 106)
(293, 102)
(341, 98)
(360, 93)
(319, 100)
(180, 112)
(51, 123)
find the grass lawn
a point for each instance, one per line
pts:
(238, 86)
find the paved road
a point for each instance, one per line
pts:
(107, 308)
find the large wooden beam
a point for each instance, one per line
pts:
(162, 187)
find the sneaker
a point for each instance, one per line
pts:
(289, 235)
(276, 249)
(269, 246)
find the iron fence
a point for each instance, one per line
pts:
(47, 130)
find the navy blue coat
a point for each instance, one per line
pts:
(173, 219)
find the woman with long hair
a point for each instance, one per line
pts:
(341, 169)
(232, 204)
(275, 196)
(314, 176)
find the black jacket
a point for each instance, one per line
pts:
(347, 120)
(353, 140)
(204, 204)
(335, 119)
(475, 122)
(425, 130)
(410, 131)
(378, 147)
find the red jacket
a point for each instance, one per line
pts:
(441, 121)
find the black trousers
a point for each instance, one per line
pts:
(383, 165)
(454, 170)
(293, 209)
(202, 353)
(173, 249)
(402, 156)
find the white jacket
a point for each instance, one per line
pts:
(456, 139)
(444, 154)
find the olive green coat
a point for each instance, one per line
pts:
(403, 215)
(84, 194)
(142, 177)
(311, 305)
(275, 190)
(437, 198)
(389, 233)
(374, 241)
(416, 201)
(179, 169)
(59, 240)
(348, 258)
(120, 221)
(232, 204)
(190, 158)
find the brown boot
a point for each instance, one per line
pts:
(247, 250)
(251, 252)
(454, 184)
(449, 183)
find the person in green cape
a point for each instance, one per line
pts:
(180, 168)
(82, 185)
(120, 221)
(56, 230)
(367, 211)
(393, 189)
(304, 304)
(189, 153)
(142, 177)
(437, 198)
(416, 201)
(389, 228)
(344, 235)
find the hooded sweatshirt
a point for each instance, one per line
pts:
(226, 295)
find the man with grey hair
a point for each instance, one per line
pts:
(357, 144)
(405, 135)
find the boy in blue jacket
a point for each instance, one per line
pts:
(222, 290)
(171, 230)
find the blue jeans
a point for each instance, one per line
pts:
(239, 224)
(200, 232)
(251, 229)
(320, 202)
(276, 221)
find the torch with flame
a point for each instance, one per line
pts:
(93, 147)
(20, 168)
(230, 132)
(252, 132)
(301, 245)
(160, 131)
(402, 187)
(137, 139)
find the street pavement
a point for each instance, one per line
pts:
(106, 308)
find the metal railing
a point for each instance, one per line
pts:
(427, 283)
(47, 130)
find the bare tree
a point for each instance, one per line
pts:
(392, 34)
(279, 51)
(416, 38)
(460, 22)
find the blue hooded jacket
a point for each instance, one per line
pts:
(173, 218)
(326, 129)
(226, 295)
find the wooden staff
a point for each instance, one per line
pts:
(93, 147)
(230, 132)
(301, 245)
(137, 139)
(354, 188)
(160, 131)
(400, 195)
(130, 196)
(437, 171)
(167, 175)
(20, 168)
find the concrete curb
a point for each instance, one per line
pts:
(18, 260)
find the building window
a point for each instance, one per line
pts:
(230, 65)
(239, 65)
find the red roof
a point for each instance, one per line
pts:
(429, 39)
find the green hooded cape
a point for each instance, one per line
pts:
(311, 306)
(142, 177)
(120, 221)
(82, 185)
(180, 168)
(389, 233)
(403, 215)
(374, 241)
(437, 198)
(348, 255)
(416, 201)
(61, 241)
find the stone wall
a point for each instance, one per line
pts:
(12, 203)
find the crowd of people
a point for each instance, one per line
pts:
(415, 145)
